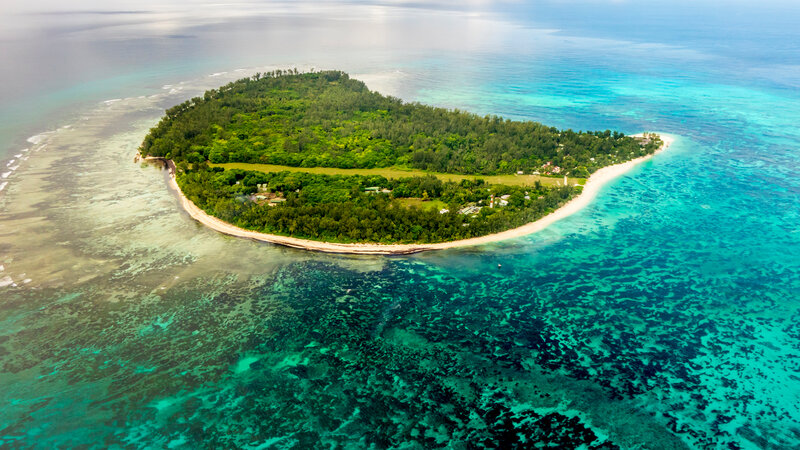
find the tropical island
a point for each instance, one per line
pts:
(318, 161)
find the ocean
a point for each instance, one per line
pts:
(664, 315)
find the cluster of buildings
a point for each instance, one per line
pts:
(548, 169)
(471, 210)
(270, 199)
(262, 196)
(498, 201)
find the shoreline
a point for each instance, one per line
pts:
(590, 189)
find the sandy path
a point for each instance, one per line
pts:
(593, 185)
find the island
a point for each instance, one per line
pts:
(318, 161)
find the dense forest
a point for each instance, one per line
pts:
(326, 119)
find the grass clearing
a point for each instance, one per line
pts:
(422, 204)
(396, 172)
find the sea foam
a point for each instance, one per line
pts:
(36, 138)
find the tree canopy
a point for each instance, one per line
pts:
(327, 119)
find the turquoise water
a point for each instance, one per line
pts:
(665, 315)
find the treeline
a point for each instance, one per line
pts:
(326, 119)
(336, 209)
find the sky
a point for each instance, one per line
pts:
(736, 23)
(107, 5)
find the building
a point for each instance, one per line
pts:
(377, 190)
(468, 210)
(275, 201)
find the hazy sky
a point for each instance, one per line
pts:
(735, 21)
(106, 5)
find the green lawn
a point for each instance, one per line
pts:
(418, 202)
(395, 172)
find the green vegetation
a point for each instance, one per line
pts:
(394, 172)
(339, 208)
(319, 156)
(436, 205)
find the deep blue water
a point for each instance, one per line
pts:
(665, 315)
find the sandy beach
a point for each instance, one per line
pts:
(592, 186)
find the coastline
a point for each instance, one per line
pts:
(590, 189)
